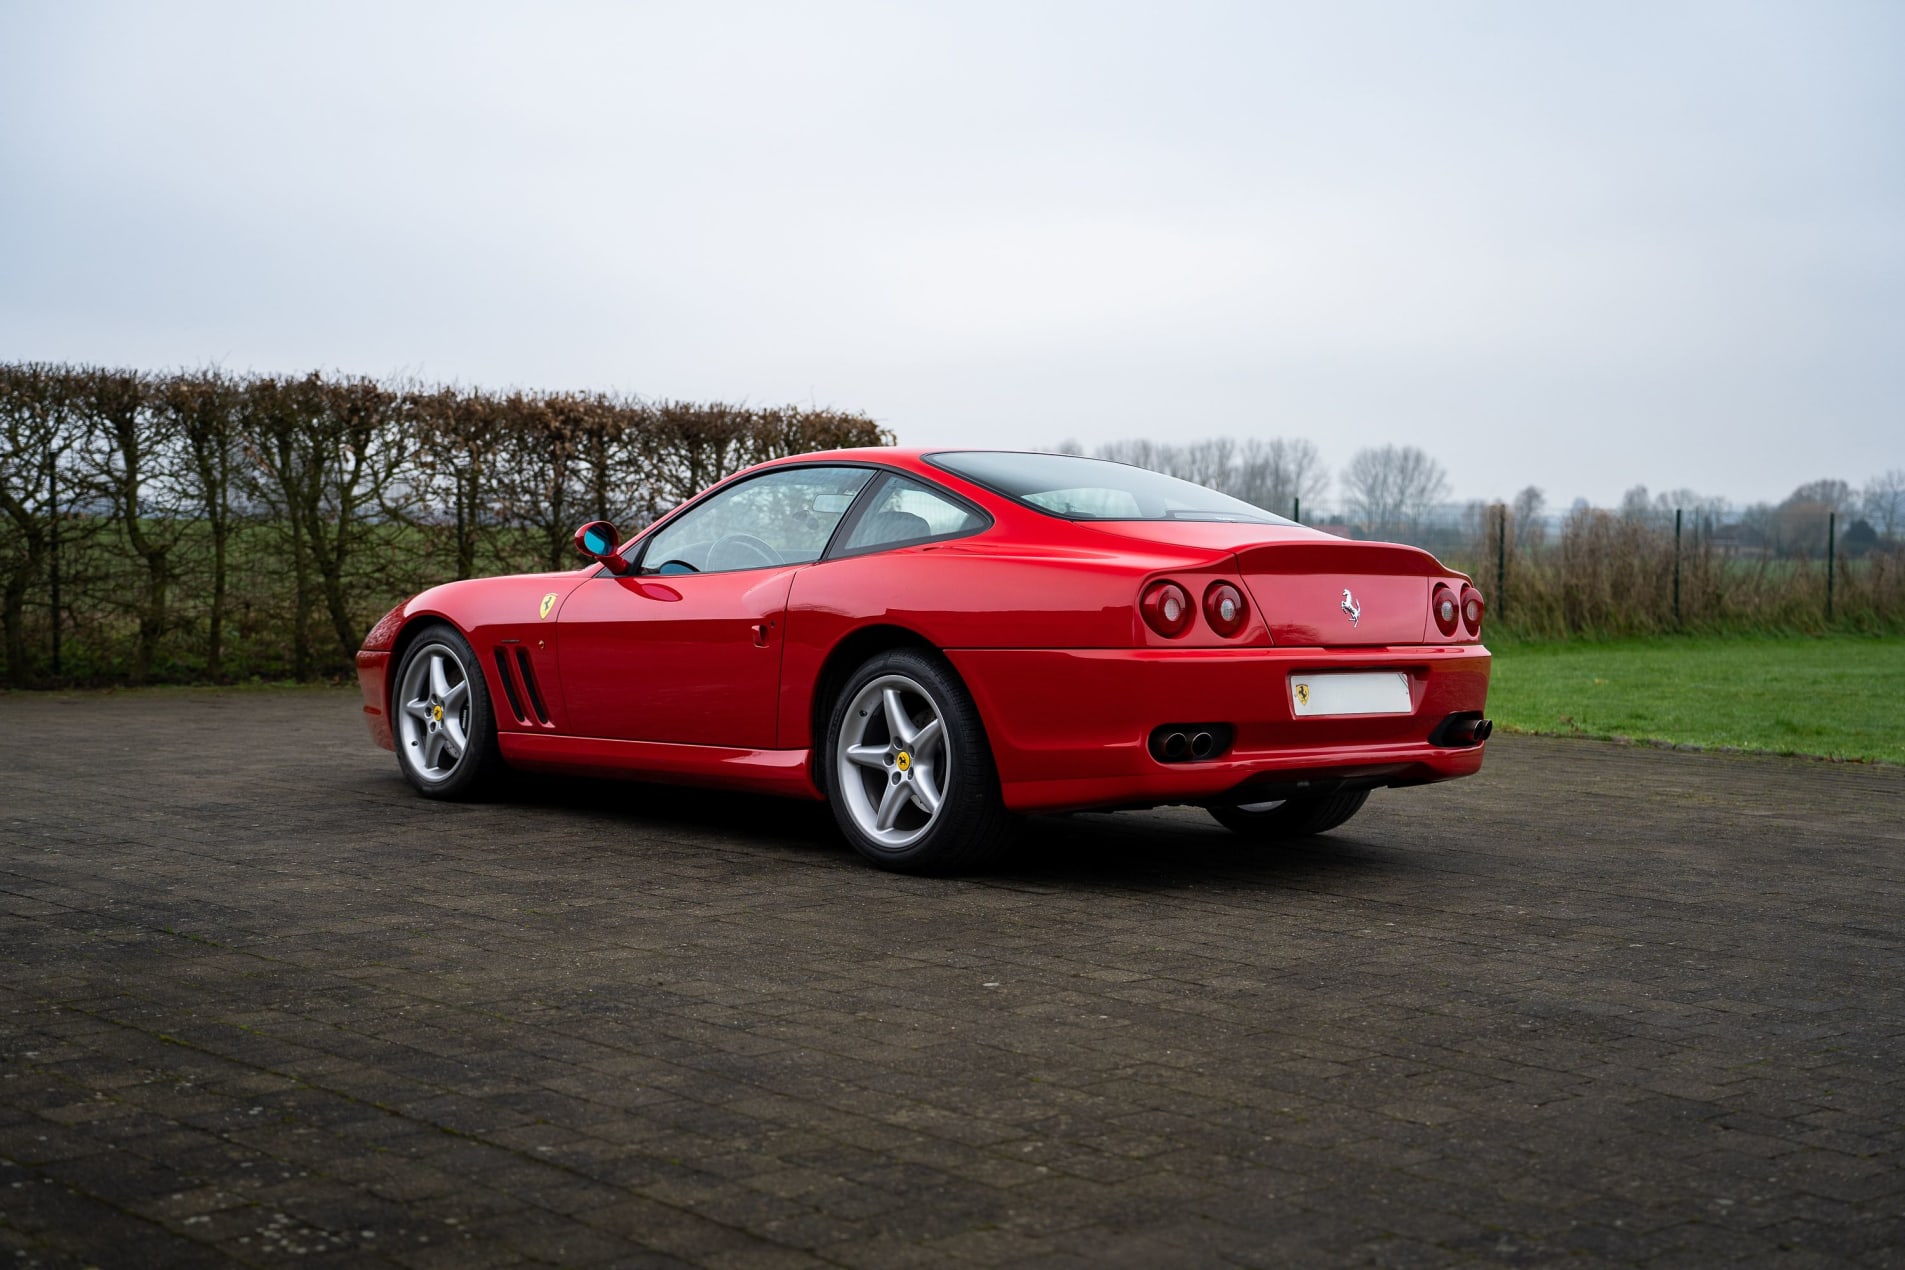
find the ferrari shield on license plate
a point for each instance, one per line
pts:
(1380, 692)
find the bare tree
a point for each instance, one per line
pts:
(459, 437)
(537, 476)
(1145, 454)
(204, 412)
(686, 447)
(130, 465)
(1276, 473)
(1833, 495)
(1759, 527)
(1657, 511)
(1389, 489)
(608, 450)
(329, 457)
(1884, 501)
(1270, 474)
(1530, 529)
(368, 456)
(1210, 462)
(1802, 525)
(38, 429)
(1637, 507)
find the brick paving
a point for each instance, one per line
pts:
(1596, 1006)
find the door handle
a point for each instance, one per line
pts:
(760, 634)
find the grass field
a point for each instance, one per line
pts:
(1837, 696)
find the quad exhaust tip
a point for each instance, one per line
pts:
(1189, 742)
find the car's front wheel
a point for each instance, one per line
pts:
(1276, 820)
(446, 730)
(909, 771)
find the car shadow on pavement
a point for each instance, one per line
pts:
(1178, 847)
(1146, 850)
(674, 807)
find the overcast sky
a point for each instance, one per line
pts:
(1580, 246)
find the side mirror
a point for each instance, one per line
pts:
(597, 540)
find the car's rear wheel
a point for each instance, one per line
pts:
(1280, 819)
(909, 771)
(446, 729)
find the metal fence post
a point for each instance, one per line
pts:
(1676, 568)
(1832, 528)
(1501, 560)
(1296, 510)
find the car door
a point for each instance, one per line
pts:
(686, 648)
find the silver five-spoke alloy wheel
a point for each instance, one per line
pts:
(433, 713)
(892, 765)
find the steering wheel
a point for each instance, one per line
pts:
(741, 551)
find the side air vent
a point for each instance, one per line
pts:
(504, 673)
(529, 682)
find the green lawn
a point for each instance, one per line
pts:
(1840, 696)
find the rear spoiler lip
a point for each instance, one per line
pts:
(1342, 555)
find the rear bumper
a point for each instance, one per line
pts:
(1070, 728)
(373, 671)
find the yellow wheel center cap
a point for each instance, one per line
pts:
(436, 714)
(904, 761)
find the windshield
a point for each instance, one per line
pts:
(1096, 489)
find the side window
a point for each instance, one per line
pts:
(904, 510)
(774, 519)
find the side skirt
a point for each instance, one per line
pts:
(780, 772)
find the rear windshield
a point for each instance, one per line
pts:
(1096, 489)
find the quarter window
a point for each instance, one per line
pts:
(778, 518)
(903, 511)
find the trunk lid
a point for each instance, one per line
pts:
(1335, 593)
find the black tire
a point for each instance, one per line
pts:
(1293, 817)
(477, 768)
(971, 825)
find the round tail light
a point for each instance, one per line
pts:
(1225, 609)
(1447, 608)
(1167, 609)
(1472, 610)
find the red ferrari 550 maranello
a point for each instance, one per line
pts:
(935, 641)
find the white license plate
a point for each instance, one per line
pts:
(1381, 692)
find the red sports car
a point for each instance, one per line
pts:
(935, 641)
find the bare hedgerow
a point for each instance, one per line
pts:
(202, 524)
